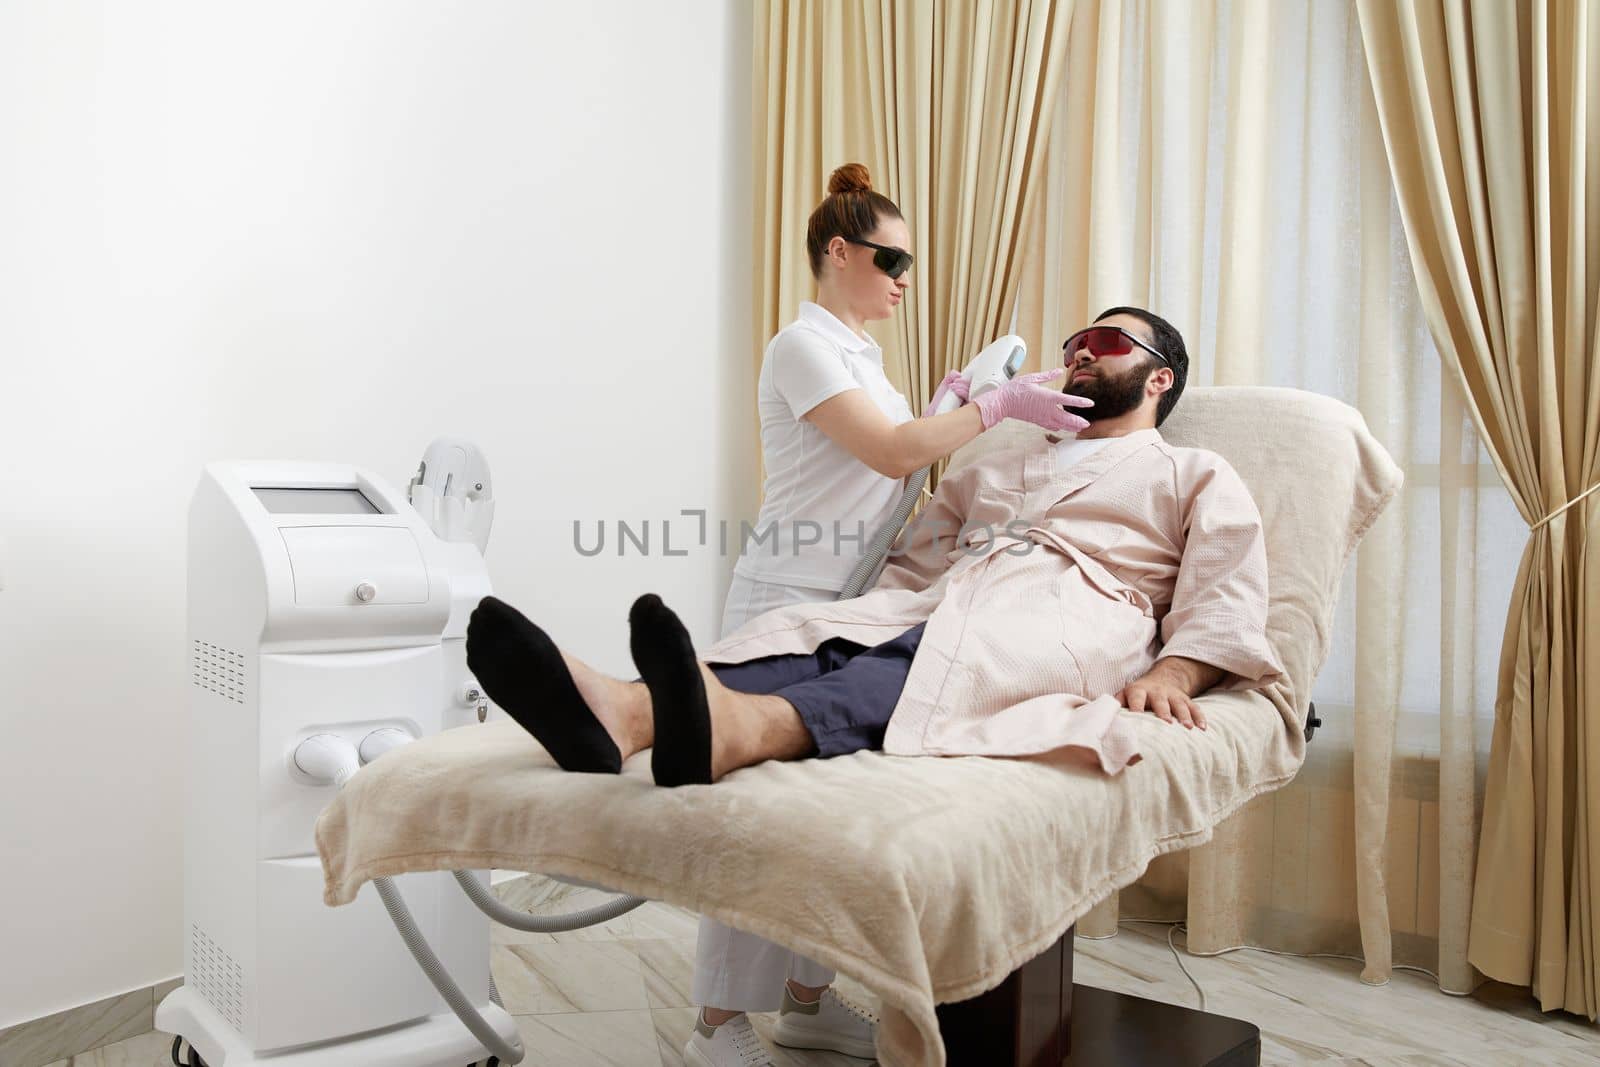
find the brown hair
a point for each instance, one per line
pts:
(850, 210)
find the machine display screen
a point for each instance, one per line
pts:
(316, 502)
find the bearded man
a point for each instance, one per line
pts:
(1043, 589)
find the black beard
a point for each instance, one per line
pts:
(1112, 396)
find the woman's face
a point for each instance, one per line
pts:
(870, 292)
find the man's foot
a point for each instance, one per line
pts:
(701, 729)
(730, 1044)
(665, 657)
(524, 672)
(831, 1022)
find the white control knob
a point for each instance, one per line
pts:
(366, 592)
(326, 759)
(381, 740)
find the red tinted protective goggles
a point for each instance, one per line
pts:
(1104, 341)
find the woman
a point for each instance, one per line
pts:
(837, 438)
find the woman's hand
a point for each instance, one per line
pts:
(1026, 397)
(954, 382)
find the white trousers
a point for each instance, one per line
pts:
(734, 970)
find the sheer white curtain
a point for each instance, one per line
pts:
(1221, 163)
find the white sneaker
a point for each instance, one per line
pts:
(832, 1023)
(732, 1044)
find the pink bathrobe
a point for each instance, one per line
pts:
(1045, 592)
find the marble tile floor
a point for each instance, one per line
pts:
(619, 995)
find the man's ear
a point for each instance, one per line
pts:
(1162, 379)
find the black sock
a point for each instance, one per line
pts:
(522, 670)
(665, 657)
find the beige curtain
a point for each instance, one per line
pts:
(1222, 164)
(948, 105)
(1491, 116)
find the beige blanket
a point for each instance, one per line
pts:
(926, 879)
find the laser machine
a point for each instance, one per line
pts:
(327, 624)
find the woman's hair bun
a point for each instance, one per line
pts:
(850, 178)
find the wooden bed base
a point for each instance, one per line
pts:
(1037, 1017)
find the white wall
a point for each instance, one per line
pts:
(332, 231)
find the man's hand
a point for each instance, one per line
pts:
(1169, 689)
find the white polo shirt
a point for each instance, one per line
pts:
(815, 489)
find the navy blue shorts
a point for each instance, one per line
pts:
(844, 691)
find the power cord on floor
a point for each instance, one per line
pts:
(1173, 927)
(1172, 932)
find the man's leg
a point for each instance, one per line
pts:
(769, 674)
(847, 710)
(704, 729)
(587, 720)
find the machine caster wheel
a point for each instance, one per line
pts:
(192, 1060)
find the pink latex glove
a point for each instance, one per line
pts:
(1026, 397)
(953, 382)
